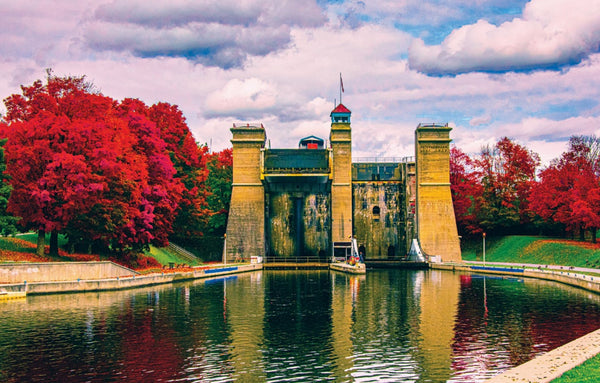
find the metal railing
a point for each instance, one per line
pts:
(394, 160)
(183, 253)
(432, 125)
(297, 260)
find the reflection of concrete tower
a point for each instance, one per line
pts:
(436, 329)
(436, 225)
(245, 315)
(341, 185)
(246, 223)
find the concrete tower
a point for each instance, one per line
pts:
(341, 183)
(436, 225)
(246, 224)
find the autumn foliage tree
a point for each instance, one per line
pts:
(7, 221)
(218, 183)
(491, 191)
(568, 193)
(189, 160)
(97, 170)
(506, 172)
(466, 192)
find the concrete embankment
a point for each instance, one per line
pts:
(553, 364)
(67, 277)
(587, 282)
(126, 282)
(19, 272)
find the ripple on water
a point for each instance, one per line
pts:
(292, 327)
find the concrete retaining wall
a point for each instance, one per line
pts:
(587, 282)
(61, 271)
(120, 283)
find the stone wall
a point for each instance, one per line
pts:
(379, 219)
(289, 235)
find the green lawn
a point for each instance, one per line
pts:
(528, 249)
(32, 237)
(589, 371)
(6, 243)
(164, 256)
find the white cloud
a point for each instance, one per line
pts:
(549, 33)
(543, 136)
(291, 89)
(217, 32)
(480, 120)
(537, 129)
(241, 98)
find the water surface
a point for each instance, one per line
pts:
(395, 325)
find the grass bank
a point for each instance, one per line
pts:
(588, 371)
(23, 249)
(530, 249)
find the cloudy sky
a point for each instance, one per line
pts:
(529, 70)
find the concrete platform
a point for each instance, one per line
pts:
(553, 364)
(346, 268)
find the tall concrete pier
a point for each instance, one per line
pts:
(309, 202)
(341, 185)
(436, 225)
(246, 223)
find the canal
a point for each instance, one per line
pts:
(390, 325)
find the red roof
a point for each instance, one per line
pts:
(341, 109)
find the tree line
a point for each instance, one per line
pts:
(502, 191)
(112, 176)
(116, 176)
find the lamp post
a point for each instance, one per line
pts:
(224, 249)
(484, 249)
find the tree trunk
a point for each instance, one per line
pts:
(594, 230)
(54, 243)
(41, 243)
(581, 234)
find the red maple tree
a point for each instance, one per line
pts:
(92, 168)
(507, 173)
(568, 192)
(466, 192)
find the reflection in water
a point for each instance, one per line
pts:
(293, 325)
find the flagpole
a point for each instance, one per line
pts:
(341, 87)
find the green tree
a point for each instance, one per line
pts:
(218, 184)
(7, 221)
(507, 173)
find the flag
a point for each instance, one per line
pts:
(341, 83)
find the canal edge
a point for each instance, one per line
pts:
(554, 363)
(125, 282)
(134, 280)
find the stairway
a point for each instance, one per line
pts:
(183, 253)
